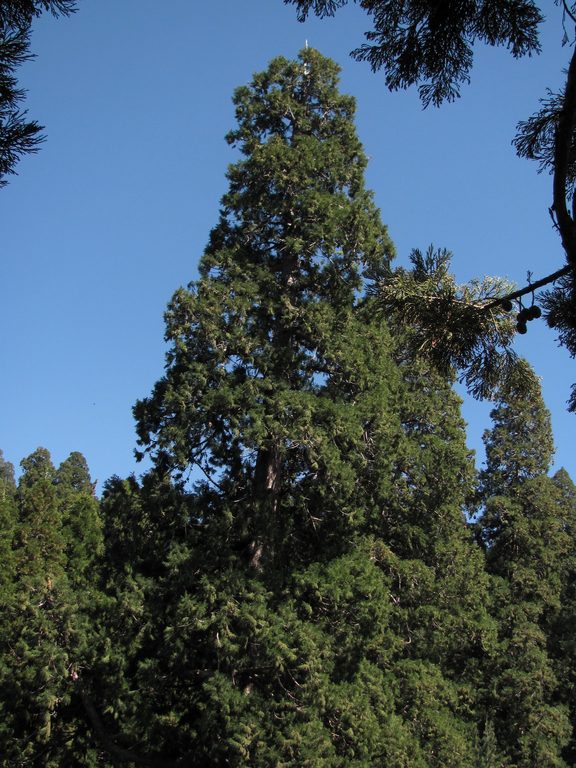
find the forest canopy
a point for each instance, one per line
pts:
(311, 572)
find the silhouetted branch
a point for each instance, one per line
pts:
(530, 287)
(568, 12)
(563, 144)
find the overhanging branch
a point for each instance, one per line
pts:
(568, 12)
(530, 287)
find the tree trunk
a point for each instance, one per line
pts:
(266, 488)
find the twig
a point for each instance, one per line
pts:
(531, 287)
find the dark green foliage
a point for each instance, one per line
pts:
(559, 305)
(422, 41)
(8, 523)
(46, 633)
(430, 44)
(537, 140)
(6, 474)
(562, 638)
(20, 13)
(82, 528)
(450, 325)
(281, 394)
(293, 583)
(519, 445)
(19, 136)
(527, 543)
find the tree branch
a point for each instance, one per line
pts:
(562, 148)
(568, 12)
(531, 287)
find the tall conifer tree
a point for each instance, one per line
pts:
(561, 635)
(46, 634)
(289, 579)
(8, 524)
(524, 532)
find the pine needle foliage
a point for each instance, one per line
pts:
(449, 324)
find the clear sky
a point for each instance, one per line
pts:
(112, 215)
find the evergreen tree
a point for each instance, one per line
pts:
(6, 473)
(262, 368)
(46, 635)
(561, 635)
(524, 532)
(38, 620)
(82, 527)
(293, 583)
(519, 445)
(8, 523)
(439, 582)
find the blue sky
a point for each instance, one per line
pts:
(113, 214)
